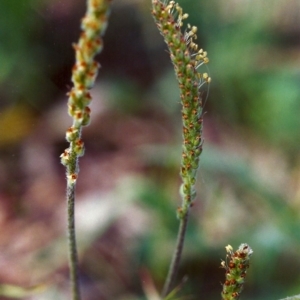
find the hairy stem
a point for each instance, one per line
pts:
(186, 58)
(73, 258)
(176, 256)
(84, 73)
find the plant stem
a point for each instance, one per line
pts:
(186, 58)
(176, 256)
(84, 73)
(73, 257)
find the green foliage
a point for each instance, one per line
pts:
(22, 59)
(256, 84)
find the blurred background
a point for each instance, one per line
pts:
(127, 194)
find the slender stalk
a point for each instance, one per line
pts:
(72, 174)
(186, 58)
(73, 257)
(176, 257)
(84, 74)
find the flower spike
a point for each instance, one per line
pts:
(187, 58)
(236, 266)
(84, 73)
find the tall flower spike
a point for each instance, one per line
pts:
(236, 266)
(84, 73)
(186, 58)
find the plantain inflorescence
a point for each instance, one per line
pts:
(84, 73)
(236, 266)
(186, 58)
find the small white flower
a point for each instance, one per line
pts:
(229, 249)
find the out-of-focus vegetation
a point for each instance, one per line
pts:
(249, 179)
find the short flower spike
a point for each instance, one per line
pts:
(236, 266)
